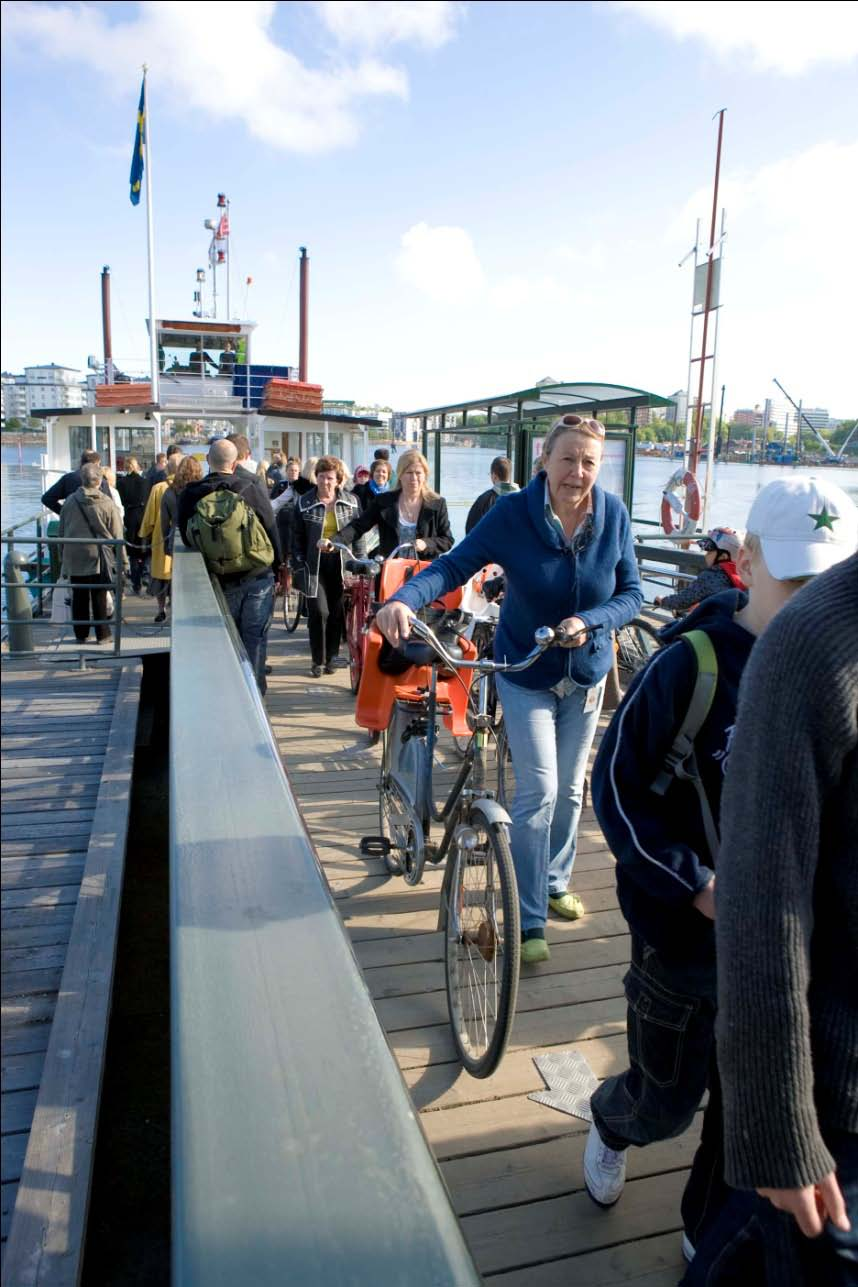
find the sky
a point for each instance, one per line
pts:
(490, 193)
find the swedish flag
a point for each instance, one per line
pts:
(137, 158)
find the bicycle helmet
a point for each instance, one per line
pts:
(725, 539)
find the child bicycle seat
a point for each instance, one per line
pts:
(404, 675)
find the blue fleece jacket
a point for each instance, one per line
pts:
(658, 841)
(545, 582)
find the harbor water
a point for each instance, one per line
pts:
(466, 474)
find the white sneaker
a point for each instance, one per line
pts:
(604, 1170)
(688, 1249)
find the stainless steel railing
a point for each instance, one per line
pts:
(297, 1155)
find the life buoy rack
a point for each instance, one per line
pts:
(688, 509)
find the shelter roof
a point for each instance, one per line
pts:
(554, 399)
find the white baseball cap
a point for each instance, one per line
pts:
(805, 525)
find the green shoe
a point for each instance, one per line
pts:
(533, 951)
(567, 905)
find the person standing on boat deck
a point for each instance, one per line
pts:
(667, 849)
(245, 459)
(249, 596)
(226, 366)
(157, 471)
(410, 512)
(69, 483)
(134, 490)
(321, 515)
(502, 484)
(378, 482)
(151, 529)
(198, 361)
(565, 546)
(787, 939)
(189, 471)
(89, 513)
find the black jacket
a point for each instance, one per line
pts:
(253, 492)
(65, 487)
(658, 841)
(485, 501)
(433, 524)
(133, 492)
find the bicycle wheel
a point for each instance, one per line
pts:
(483, 946)
(397, 818)
(293, 608)
(636, 643)
(355, 639)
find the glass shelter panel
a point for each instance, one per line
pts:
(466, 458)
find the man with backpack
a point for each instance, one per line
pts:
(657, 791)
(227, 516)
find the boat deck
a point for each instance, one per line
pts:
(513, 1166)
(140, 635)
(67, 754)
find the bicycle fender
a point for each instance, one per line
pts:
(492, 811)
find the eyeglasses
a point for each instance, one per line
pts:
(586, 424)
(707, 545)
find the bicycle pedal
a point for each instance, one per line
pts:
(431, 851)
(375, 846)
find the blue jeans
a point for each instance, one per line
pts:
(251, 604)
(549, 740)
(753, 1245)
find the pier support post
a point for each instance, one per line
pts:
(19, 605)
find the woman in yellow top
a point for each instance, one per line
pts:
(319, 515)
(151, 529)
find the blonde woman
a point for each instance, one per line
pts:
(110, 478)
(409, 512)
(151, 530)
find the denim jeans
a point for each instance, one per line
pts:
(751, 1244)
(251, 604)
(671, 1038)
(549, 740)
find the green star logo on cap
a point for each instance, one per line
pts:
(824, 519)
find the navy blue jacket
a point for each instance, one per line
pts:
(658, 841)
(65, 487)
(545, 582)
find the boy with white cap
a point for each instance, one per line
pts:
(647, 798)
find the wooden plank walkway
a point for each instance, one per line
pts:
(513, 1167)
(67, 754)
(140, 635)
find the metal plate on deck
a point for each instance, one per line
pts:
(570, 1081)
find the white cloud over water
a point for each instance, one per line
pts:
(787, 39)
(224, 60)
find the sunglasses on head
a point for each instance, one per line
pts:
(585, 423)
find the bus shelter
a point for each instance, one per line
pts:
(516, 425)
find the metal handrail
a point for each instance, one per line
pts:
(115, 586)
(296, 1153)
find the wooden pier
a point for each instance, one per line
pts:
(513, 1167)
(67, 755)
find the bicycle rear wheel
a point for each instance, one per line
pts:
(293, 608)
(483, 946)
(355, 639)
(636, 643)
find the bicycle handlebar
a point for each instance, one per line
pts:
(544, 638)
(407, 545)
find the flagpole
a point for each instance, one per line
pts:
(150, 243)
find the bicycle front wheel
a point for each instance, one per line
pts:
(636, 643)
(293, 607)
(483, 946)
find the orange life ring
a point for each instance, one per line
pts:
(691, 506)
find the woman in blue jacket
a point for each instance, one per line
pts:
(566, 549)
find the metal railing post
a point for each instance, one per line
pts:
(117, 597)
(19, 606)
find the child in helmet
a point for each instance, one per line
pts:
(720, 547)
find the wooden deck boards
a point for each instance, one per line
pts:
(63, 846)
(513, 1167)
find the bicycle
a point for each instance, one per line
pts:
(358, 600)
(478, 912)
(635, 644)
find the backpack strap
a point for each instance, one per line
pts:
(681, 759)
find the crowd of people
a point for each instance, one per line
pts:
(726, 783)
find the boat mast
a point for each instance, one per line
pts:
(694, 452)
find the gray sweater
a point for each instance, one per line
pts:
(787, 893)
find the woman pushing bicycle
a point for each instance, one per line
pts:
(566, 548)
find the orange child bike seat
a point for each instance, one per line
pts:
(378, 691)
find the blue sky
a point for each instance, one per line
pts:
(490, 192)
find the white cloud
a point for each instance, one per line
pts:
(224, 62)
(441, 262)
(786, 38)
(370, 23)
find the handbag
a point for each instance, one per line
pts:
(61, 613)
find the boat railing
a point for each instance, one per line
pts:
(297, 1155)
(29, 578)
(665, 561)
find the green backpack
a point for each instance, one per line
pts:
(229, 535)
